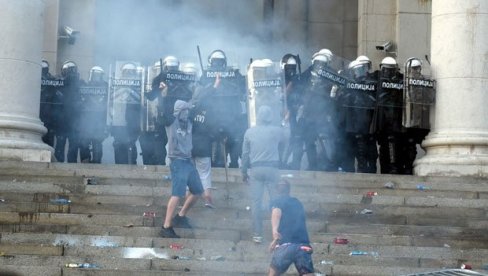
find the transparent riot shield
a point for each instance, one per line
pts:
(125, 99)
(265, 84)
(334, 72)
(93, 111)
(150, 111)
(418, 96)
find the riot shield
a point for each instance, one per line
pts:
(150, 112)
(125, 98)
(226, 110)
(93, 110)
(51, 104)
(389, 105)
(418, 97)
(335, 72)
(265, 84)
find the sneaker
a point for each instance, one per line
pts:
(168, 233)
(181, 222)
(257, 239)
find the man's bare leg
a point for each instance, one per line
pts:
(189, 202)
(170, 210)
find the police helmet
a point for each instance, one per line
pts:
(358, 69)
(325, 52)
(69, 68)
(45, 67)
(388, 67)
(388, 62)
(365, 60)
(189, 68)
(415, 63)
(320, 61)
(171, 63)
(289, 65)
(129, 70)
(217, 60)
(44, 64)
(96, 74)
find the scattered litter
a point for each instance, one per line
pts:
(371, 194)
(366, 212)
(341, 241)
(217, 258)
(149, 214)
(2, 200)
(422, 187)
(287, 175)
(447, 245)
(90, 181)
(358, 253)
(466, 266)
(167, 177)
(183, 258)
(83, 265)
(375, 254)
(325, 262)
(14, 180)
(129, 225)
(144, 253)
(389, 185)
(60, 201)
(201, 259)
(176, 246)
(248, 208)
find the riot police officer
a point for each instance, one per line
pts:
(69, 132)
(228, 112)
(319, 113)
(93, 113)
(126, 110)
(419, 94)
(153, 138)
(50, 111)
(389, 115)
(294, 100)
(358, 103)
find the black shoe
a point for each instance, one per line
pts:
(168, 233)
(181, 222)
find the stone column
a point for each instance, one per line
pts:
(458, 144)
(20, 70)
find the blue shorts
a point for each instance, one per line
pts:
(183, 174)
(299, 254)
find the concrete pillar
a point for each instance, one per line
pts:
(20, 70)
(458, 144)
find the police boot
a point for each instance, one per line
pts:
(392, 153)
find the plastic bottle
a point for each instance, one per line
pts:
(82, 265)
(358, 253)
(60, 201)
(422, 187)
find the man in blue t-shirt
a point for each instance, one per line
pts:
(290, 237)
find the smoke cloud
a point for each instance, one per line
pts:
(145, 31)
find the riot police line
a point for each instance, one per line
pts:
(342, 115)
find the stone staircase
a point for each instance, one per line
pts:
(109, 223)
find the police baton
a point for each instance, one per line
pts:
(200, 57)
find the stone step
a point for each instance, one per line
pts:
(151, 172)
(15, 270)
(134, 258)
